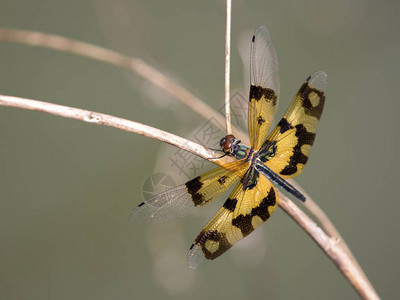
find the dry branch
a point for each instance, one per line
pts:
(228, 66)
(135, 65)
(331, 248)
(327, 244)
(119, 123)
(337, 251)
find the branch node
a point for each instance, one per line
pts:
(92, 118)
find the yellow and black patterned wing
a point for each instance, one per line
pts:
(185, 199)
(264, 89)
(250, 204)
(292, 138)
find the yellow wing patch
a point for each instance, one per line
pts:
(262, 107)
(294, 135)
(185, 199)
(282, 154)
(212, 184)
(250, 204)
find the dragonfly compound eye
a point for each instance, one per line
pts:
(227, 143)
(221, 142)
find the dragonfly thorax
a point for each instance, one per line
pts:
(230, 145)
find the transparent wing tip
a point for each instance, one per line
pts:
(264, 69)
(139, 215)
(195, 257)
(260, 30)
(318, 80)
(145, 213)
(261, 36)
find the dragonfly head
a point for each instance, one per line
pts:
(228, 143)
(230, 146)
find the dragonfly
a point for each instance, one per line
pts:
(270, 159)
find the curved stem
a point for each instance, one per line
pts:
(326, 223)
(149, 73)
(135, 65)
(331, 248)
(327, 244)
(119, 123)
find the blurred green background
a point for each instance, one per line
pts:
(67, 187)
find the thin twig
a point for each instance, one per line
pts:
(139, 67)
(331, 248)
(157, 78)
(228, 66)
(136, 65)
(322, 218)
(119, 123)
(326, 224)
(327, 244)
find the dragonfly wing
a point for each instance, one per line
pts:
(249, 205)
(265, 86)
(294, 135)
(185, 199)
